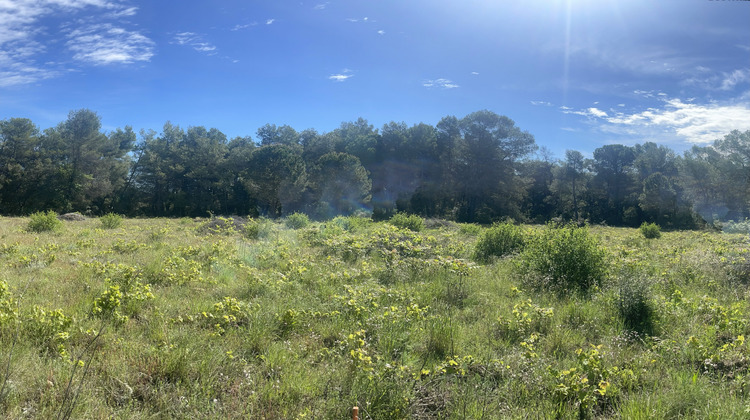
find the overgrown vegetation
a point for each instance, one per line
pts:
(111, 221)
(250, 318)
(476, 169)
(43, 222)
(650, 230)
(499, 240)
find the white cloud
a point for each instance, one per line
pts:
(107, 44)
(21, 25)
(475, 73)
(439, 83)
(240, 27)
(270, 21)
(674, 120)
(597, 112)
(381, 32)
(733, 79)
(195, 41)
(542, 103)
(340, 77)
(321, 6)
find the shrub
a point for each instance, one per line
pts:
(43, 222)
(257, 228)
(470, 229)
(407, 221)
(650, 230)
(634, 307)
(563, 259)
(499, 240)
(297, 221)
(111, 221)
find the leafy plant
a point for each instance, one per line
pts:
(499, 240)
(407, 221)
(257, 228)
(563, 259)
(297, 221)
(650, 230)
(634, 306)
(110, 221)
(43, 222)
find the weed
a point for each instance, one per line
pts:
(110, 221)
(407, 221)
(297, 221)
(43, 222)
(499, 240)
(563, 260)
(650, 230)
(634, 306)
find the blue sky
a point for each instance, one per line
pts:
(577, 74)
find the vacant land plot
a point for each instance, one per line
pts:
(165, 318)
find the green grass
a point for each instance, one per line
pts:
(173, 320)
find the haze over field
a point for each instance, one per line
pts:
(577, 74)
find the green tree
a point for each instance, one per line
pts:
(341, 184)
(571, 179)
(275, 178)
(487, 186)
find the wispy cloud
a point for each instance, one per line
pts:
(540, 103)
(245, 26)
(364, 19)
(195, 41)
(107, 44)
(21, 26)
(439, 83)
(675, 120)
(270, 21)
(735, 78)
(381, 32)
(321, 6)
(340, 77)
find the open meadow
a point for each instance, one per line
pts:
(234, 318)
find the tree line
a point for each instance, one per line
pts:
(479, 168)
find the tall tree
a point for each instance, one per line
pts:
(275, 178)
(487, 184)
(341, 184)
(571, 179)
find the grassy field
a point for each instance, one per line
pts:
(165, 318)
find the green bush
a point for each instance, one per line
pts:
(257, 228)
(634, 307)
(407, 221)
(111, 221)
(563, 259)
(470, 229)
(650, 230)
(43, 222)
(297, 221)
(499, 240)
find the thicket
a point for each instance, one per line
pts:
(194, 318)
(476, 169)
(499, 240)
(563, 259)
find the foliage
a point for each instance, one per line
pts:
(563, 259)
(43, 222)
(407, 221)
(634, 306)
(257, 228)
(499, 240)
(111, 221)
(650, 230)
(296, 221)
